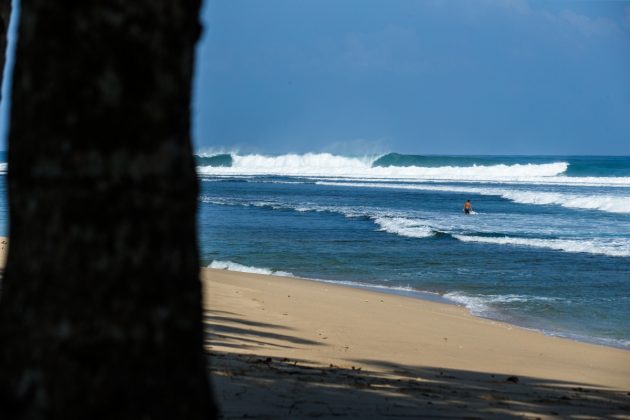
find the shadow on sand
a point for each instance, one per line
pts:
(255, 385)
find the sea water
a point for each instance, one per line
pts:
(547, 246)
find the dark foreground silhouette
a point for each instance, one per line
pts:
(100, 311)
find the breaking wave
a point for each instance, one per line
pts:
(480, 305)
(398, 223)
(232, 266)
(404, 227)
(387, 221)
(368, 167)
(489, 306)
(602, 202)
(611, 248)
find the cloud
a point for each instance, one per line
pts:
(598, 26)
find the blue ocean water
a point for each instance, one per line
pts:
(548, 245)
(547, 248)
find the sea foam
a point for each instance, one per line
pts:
(602, 202)
(232, 266)
(404, 227)
(481, 305)
(326, 164)
(402, 224)
(612, 248)
(487, 306)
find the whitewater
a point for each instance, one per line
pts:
(325, 164)
(613, 203)
(371, 168)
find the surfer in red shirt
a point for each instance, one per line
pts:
(467, 207)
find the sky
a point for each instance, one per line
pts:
(411, 76)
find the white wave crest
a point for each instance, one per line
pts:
(327, 165)
(375, 286)
(612, 248)
(620, 182)
(485, 306)
(482, 304)
(404, 227)
(390, 222)
(476, 305)
(602, 202)
(232, 266)
(3, 167)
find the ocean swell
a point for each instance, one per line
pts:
(619, 248)
(328, 165)
(602, 202)
(398, 223)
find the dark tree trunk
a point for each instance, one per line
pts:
(5, 16)
(100, 313)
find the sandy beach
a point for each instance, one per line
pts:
(283, 347)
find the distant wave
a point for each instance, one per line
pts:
(390, 222)
(590, 246)
(602, 202)
(326, 164)
(617, 182)
(400, 224)
(232, 266)
(222, 160)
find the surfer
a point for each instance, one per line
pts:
(467, 207)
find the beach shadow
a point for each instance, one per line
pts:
(264, 387)
(236, 332)
(209, 317)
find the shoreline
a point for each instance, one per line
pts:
(397, 327)
(289, 347)
(440, 298)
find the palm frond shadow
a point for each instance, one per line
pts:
(259, 385)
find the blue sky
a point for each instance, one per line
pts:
(454, 77)
(411, 76)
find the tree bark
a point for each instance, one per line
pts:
(5, 17)
(100, 312)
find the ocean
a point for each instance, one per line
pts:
(547, 246)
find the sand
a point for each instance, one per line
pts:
(291, 347)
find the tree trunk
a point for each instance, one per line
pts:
(5, 16)
(100, 312)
